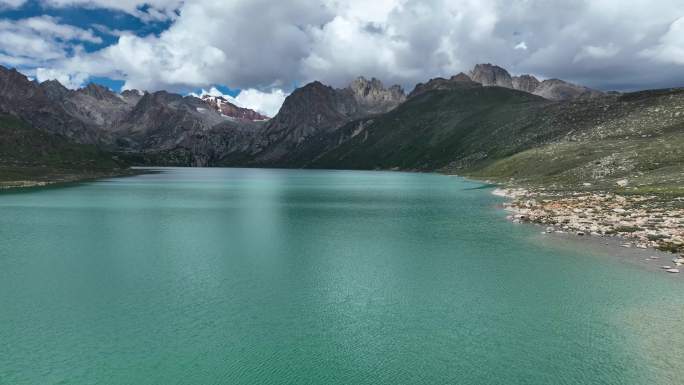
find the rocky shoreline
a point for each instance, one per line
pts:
(640, 221)
(64, 178)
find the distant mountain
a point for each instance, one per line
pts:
(497, 132)
(491, 75)
(500, 125)
(54, 90)
(25, 99)
(372, 97)
(317, 108)
(164, 123)
(226, 108)
(430, 130)
(130, 122)
(96, 105)
(555, 89)
(460, 81)
(552, 89)
(31, 156)
(162, 120)
(527, 83)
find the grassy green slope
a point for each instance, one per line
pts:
(638, 137)
(434, 129)
(30, 155)
(650, 165)
(501, 134)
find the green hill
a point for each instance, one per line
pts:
(498, 133)
(432, 130)
(29, 156)
(635, 139)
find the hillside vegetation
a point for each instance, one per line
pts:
(632, 142)
(29, 156)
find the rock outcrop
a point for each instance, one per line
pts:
(34, 104)
(527, 83)
(97, 105)
(455, 82)
(552, 89)
(132, 97)
(372, 96)
(491, 75)
(54, 90)
(556, 89)
(317, 108)
(162, 119)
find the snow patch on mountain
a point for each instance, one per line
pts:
(265, 103)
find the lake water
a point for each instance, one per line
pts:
(241, 276)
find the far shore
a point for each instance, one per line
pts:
(66, 179)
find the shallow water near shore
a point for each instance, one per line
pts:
(244, 276)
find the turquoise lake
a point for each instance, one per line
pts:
(246, 276)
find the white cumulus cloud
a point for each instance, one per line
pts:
(265, 45)
(266, 103)
(38, 40)
(522, 45)
(68, 80)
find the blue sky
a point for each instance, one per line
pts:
(89, 19)
(71, 40)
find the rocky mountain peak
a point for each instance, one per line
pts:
(363, 86)
(132, 97)
(315, 103)
(527, 83)
(98, 92)
(374, 97)
(317, 108)
(556, 89)
(15, 85)
(552, 89)
(31, 102)
(459, 81)
(491, 75)
(460, 77)
(54, 90)
(230, 110)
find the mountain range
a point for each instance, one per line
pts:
(479, 123)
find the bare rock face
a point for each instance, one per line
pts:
(527, 83)
(226, 108)
(491, 75)
(552, 89)
(459, 81)
(34, 104)
(318, 108)
(162, 124)
(132, 97)
(54, 90)
(373, 97)
(167, 128)
(556, 89)
(97, 105)
(159, 119)
(308, 110)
